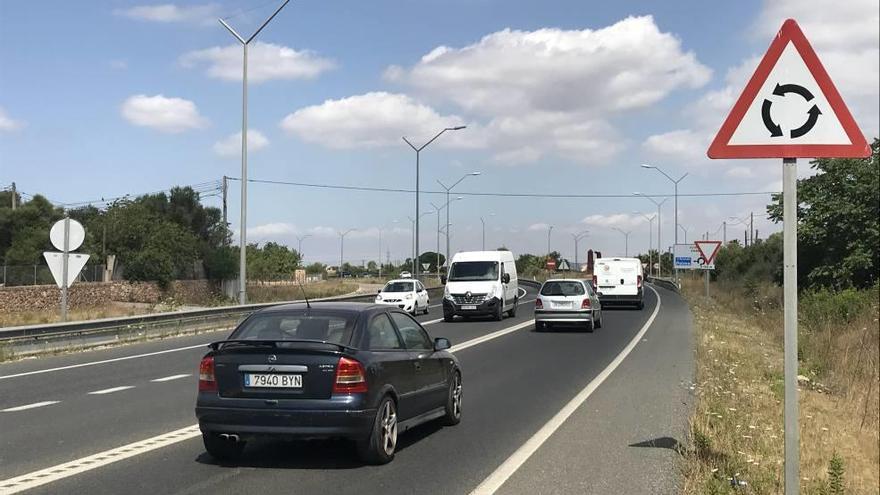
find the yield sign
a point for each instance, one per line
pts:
(75, 264)
(708, 250)
(789, 109)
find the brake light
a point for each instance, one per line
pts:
(595, 281)
(586, 304)
(639, 281)
(207, 381)
(539, 304)
(351, 378)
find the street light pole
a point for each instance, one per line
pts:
(683, 229)
(448, 190)
(650, 241)
(675, 182)
(299, 244)
(549, 230)
(418, 151)
(626, 234)
(242, 268)
(342, 248)
(659, 252)
(577, 237)
(483, 221)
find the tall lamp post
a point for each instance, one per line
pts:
(675, 182)
(242, 268)
(418, 151)
(577, 237)
(650, 220)
(626, 234)
(549, 230)
(685, 230)
(299, 244)
(483, 221)
(448, 190)
(342, 248)
(659, 252)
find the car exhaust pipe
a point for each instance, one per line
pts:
(232, 437)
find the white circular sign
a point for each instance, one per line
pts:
(76, 235)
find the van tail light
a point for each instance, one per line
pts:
(539, 304)
(639, 281)
(207, 380)
(586, 304)
(351, 377)
(595, 281)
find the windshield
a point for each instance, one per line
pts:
(398, 287)
(464, 271)
(335, 327)
(562, 289)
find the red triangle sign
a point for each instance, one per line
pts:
(714, 246)
(789, 109)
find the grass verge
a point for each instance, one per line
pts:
(736, 428)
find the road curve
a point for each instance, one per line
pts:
(514, 384)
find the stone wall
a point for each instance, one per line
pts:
(97, 294)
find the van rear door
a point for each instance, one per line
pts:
(617, 277)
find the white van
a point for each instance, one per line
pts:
(619, 280)
(481, 283)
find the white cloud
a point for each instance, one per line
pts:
(231, 145)
(119, 64)
(271, 231)
(372, 120)
(266, 61)
(170, 13)
(629, 64)
(619, 220)
(740, 172)
(537, 226)
(7, 123)
(683, 143)
(161, 113)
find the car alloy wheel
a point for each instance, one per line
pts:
(456, 396)
(389, 428)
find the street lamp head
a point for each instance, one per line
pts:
(645, 165)
(459, 197)
(456, 128)
(476, 173)
(637, 194)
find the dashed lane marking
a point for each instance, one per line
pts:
(172, 377)
(111, 390)
(30, 406)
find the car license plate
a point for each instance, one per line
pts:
(469, 307)
(272, 380)
(563, 304)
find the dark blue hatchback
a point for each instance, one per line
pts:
(360, 371)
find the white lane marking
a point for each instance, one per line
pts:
(501, 474)
(30, 406)
(172, 377)
(105, 361)
(61, 471)
(431, 322)
(490, 336)
(111, 390)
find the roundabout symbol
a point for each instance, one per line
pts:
(812, 114)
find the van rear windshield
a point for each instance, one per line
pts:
(562, 289)
(471, 271)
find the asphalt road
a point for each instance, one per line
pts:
(513, 385)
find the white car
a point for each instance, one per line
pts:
(407, 294)
(405, 274)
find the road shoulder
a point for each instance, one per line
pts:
(624, 438)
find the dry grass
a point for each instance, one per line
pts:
(113, 310)
(258, 293)
(737, 425)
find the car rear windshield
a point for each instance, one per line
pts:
(468, 271)
(398, 287)
(562, 289)
(328, 327)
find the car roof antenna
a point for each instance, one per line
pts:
(303, 289)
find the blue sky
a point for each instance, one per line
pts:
(101, 99)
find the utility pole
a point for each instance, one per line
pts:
(242, 269)
(14, 193)
(224, 188)
(418, 151)
(342, 248)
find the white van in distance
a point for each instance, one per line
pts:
(619, 281)
(481, 283)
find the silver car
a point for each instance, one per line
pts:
(567, 302)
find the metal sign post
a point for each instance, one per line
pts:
(770, 119)
(65, 259)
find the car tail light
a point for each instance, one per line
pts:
(207, 381)
(539, 304)
(639, 281)
(586, 304)
(351, 378)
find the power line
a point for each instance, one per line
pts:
(497, 194)
(211, 187)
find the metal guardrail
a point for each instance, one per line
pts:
(667, 283)
(37, 339)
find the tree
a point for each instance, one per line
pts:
(838, 211)
(430, 258)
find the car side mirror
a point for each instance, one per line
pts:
(379, 291)
(505, 278)
(443, 279)
(441, 344)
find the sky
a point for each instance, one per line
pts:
(103, 99)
